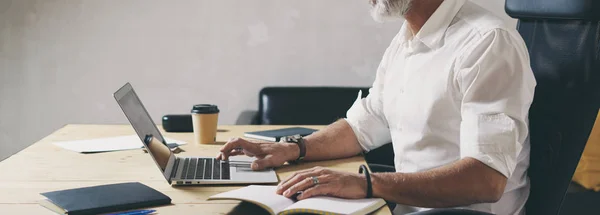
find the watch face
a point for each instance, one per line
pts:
(293, 139)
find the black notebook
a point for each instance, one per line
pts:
(103, 199)
(276, 135)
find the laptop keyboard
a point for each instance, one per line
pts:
(205, 168)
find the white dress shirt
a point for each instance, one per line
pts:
(461, 87)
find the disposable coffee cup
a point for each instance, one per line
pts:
(204, 120)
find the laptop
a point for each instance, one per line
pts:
(186, 170)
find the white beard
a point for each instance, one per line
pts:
(384, 10)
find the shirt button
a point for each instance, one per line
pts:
(401, 91)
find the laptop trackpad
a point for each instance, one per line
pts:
(245, 173)
(248, 170)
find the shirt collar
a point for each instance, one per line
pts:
(435, 28)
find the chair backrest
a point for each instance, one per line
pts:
(305, 105)
(563, 38)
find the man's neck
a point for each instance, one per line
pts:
(420, 12)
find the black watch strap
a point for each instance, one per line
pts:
(302, 147)
(361, 170)
(298, 140)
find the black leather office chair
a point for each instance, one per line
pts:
(563, 37)
(314, 106)
(304, 105)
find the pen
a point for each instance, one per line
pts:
(136, 212)
(295, 196)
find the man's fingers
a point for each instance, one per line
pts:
(315, 171)
(295, 174)
(262, 163)
(248, 153)
(294, 180)
(220, 156)
(236, 143)
(282, 188)
(319, 190)
(303, 185)
(236, 153)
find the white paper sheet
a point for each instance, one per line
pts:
(262, 194)
(334, 205)
(266, 195)
(108, 144)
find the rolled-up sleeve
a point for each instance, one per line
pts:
(497, 87)
(366, 115)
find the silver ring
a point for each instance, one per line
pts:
(315, 180)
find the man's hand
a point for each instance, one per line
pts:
(268, 154)
(331, 183)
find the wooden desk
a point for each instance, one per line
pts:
(44, 167)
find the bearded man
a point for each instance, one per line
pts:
(452, 93)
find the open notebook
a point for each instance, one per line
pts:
(265, 197)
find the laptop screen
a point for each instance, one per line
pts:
(144, 126)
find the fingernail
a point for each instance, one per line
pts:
(287, 192)
(254, 166)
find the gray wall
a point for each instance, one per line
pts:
(61, 60)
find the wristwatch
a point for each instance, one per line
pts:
(297, 139)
